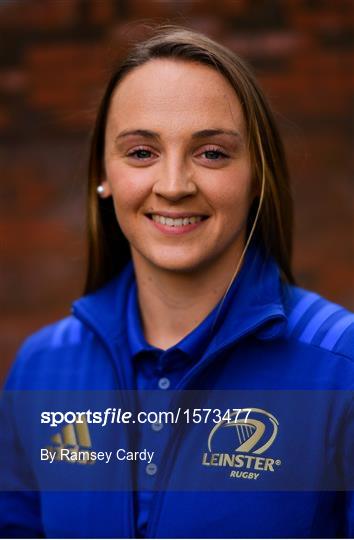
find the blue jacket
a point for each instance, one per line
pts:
(272, 338)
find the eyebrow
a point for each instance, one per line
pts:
(204, 133)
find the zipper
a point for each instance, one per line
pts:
(163, 473)
(129, 510)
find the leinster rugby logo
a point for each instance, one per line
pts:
(239, 441)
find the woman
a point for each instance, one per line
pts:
(189, 286)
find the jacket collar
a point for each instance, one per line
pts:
(254, 304)
(104, 310)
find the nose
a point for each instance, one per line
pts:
(175, 179)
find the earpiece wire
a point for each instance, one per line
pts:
(260, 204)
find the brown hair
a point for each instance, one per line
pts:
(108, 249)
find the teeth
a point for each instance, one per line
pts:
(179, 222)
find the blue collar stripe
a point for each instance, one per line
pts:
(300, 310)
(336, 332)
(316, 322)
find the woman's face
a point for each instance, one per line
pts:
(177, 165)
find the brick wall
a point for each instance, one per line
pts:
(53, 63)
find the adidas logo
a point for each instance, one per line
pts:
(72, 444)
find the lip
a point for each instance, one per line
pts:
(176, 231)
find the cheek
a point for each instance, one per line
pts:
(233, 200)
(129, 188)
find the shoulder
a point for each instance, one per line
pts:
(317, 322)
(67, 331)
(43, 347)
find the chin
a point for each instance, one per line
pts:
(183, 261)
(180, 265)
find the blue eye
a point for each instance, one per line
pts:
(140, 154)
(214, 154)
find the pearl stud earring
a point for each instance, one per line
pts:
(100, 190)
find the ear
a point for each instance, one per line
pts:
(106, 191)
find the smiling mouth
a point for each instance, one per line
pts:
(176, 222)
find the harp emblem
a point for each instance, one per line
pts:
(255, 430)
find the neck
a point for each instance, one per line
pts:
(172, 304)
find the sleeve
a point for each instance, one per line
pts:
(349, 470)
(20, 515)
